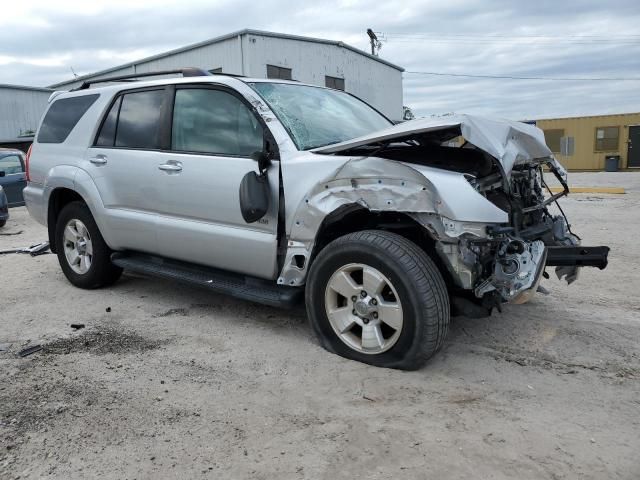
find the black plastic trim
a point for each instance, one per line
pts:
(578, 257)
(186, 72)
(221, 281)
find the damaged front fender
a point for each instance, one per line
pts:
(381, 185)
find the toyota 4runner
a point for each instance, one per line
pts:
(272, 190)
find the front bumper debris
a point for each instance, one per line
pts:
(569, 260)
(518, 268)
(578, 256)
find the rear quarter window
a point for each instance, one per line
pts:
(62, 116)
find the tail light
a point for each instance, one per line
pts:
(26, 163)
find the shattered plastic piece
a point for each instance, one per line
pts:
(543, 290)
(108, 309)
(33, 250)
(29, 350)
(570, 273)
(77, 326)
(39, 249)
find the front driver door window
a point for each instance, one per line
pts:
(214, 122)
(213, 135)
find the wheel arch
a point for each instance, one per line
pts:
(58, 199)
(350, 218)
(354, 218)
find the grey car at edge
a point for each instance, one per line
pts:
(12, 175)
(273, 190)
(4, 208)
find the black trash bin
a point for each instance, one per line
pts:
(611, 163)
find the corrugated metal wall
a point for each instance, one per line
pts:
(375, 82)
(20, 110)
(225, 54)
(249, 54)
(583, 129)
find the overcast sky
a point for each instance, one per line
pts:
(40, 41)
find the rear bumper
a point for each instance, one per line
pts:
(35, 202)
(4, 207)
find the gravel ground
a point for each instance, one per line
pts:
(170, 382)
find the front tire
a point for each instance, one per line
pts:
(377, 298)
(82, 252)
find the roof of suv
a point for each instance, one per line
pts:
(220, 79)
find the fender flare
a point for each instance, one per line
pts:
(76, 180)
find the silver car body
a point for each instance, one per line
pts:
(194, 215)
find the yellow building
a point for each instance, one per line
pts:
(594, 138)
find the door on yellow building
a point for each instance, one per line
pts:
(633, 155)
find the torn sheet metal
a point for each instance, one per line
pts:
(387, 185)
(509, 142)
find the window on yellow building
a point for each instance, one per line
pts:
(607, 139)
(552, 137)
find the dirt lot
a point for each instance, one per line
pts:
(178, 383)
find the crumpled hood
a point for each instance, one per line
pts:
(508, 141)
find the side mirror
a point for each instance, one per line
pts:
(263, 160)
(254, 196)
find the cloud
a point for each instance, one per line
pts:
(41, 42)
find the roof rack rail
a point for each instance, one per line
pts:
(186, 72)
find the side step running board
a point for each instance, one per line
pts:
(239, 286)
(577, 257)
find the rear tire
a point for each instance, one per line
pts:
(400, 322)
(84, 257)
(2, 223)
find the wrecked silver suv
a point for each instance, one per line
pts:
(268, 190)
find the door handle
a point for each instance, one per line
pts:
(170, 167)
(99, 159)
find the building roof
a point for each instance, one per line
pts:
(586, 116)
(211, 41)
(25, 87)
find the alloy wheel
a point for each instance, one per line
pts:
(78, 248)
(363, 308)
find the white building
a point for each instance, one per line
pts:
(20, 110)
(258, 54)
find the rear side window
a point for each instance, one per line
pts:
(11, 164)
(138, 124)
(62, 116)
(107, 136)
(216, 122)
